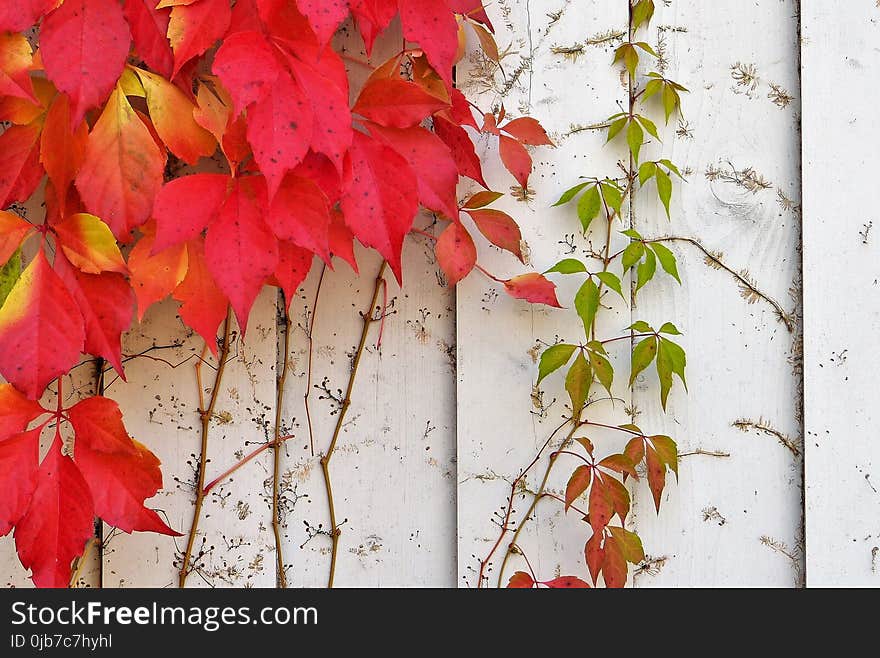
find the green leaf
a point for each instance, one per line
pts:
(653, 88)
(664, 189)
(632, 233)
(589, 206)
(669, 328)
(568, 195)
(568, 266)
(578, 381)
(642, 327)
(667, 260)
(612, 281)
(553, 359)
(633, 254)
(635, 137)
(10, 273)
(646, 172)
(613, 195)
(587, 304)
(647, 48)
(649, 126)
(482, 199)
(667, 451)
(615, 128)
(671, 100)
(596, 346)
(642, 356)
(643, 12)
(630, 57)
(671, 360)
(671, 167)
(603, 370)
(646, 269)
(630, 544)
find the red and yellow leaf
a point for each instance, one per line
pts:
(13, 230)
(89, 244)
(41, 330)
(16, 58)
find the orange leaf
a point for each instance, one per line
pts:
(13, 229)
(614, 567)
(656, 475)
(528, 131)
(534, 288)
(500, 229)
(204, 306)
(578, 483)
(172, 115)
(16, 58)
(62, 150)
(516, 159)
(601, 505)
(20, 170)
(154, 277)
(123, 169)
(521, 580)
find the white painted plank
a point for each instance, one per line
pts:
(839, 66)
(731, 521)
(500, 428)
(160, 408)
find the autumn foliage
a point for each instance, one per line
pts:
(221, 146)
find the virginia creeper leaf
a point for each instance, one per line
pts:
(300, 213)
(89, 244)
(155, 276)
(185, 206)
(192, 29)
(642, 356)
(19, 462)
(500, 229)
(456, 253)
(534, 288)
(516, 159)
(149, 30)
(578, 483)
(16, 412)
(566, 582)
(521, 580)
(203, 305)
(553, 358)
(13, 229)
(577, 382)
(396, 103)
(587, 304)
(432, 25)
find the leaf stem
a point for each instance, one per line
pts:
(276, 471)
(205, 414)
(335, 530)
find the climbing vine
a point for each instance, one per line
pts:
(202, 150)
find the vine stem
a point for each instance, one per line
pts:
(538, 495)
(311, 333)
(505, 526)
(205, 414)
(276, 473)
(335, 531)
(239, 464)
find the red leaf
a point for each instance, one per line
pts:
(566, 582)
(322, 76)
(149, 29)
(528, 131)
(20, 170)
(430, 160)
(500, 229)
(594, 554)
(62, 150)
(521, 580)
(578, 483)
(461, 111)
(13, 229)
(240, 250)
(462, 148)
(620, 499)
(300, 213)
(84, 44)
(248, 68)
(280, 130)
(516, 159)
(155, 276)
(472, 9)
(123, 169)
(601, 505)
(432, 25)
(373, 16)
(58, 522)
(342, 239)
(635, 450)
(204, 306)
(16, 412)
(456, 253)
(16, 58)
(534, 288)
(656, 475)
(396, 103)
(194, 28)
(106, 302)
(121, 472)
(19, 462)
(293, 267)
(614, 567)
(41, 330)
(20, 15)
(185, 206)
(324, 16)
(380, 201)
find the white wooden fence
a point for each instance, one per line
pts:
(444, 416)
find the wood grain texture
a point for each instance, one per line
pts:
(840, 61)
(737, 520)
